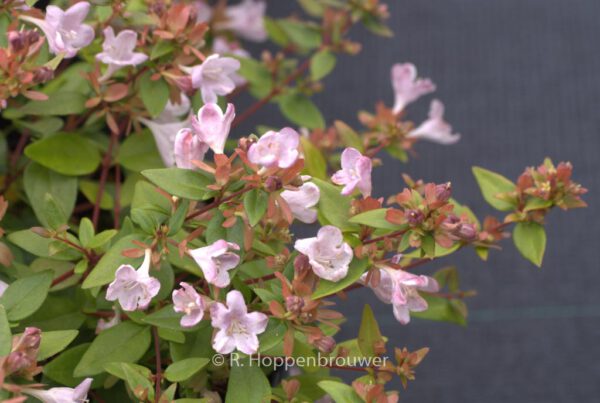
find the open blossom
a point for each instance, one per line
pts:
(302, 201)
(188, 301)
(65, 31)
(216, 260)
(275, 149)
(118, 51)
(355, 172)
(166, 126)
(238, 329)
(215, 76)
(407, 87)
(246, 19)
(134, 288)
(212, 125)
(62, 395)
(328, 254)
(400, 288)
(188, 147)
(435, 128)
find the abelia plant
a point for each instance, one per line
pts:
(149, 249)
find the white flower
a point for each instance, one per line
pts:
(62, 395)
(302, 201)
(407, 87)
(435, 128)
(328, 254)
(215, 76)
(246, 19)
(118, 51)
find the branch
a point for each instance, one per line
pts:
(157, 391)
(217, 203)
(106, 162)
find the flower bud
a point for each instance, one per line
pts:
(245, 142)
(443, 191)
(414, 217)
(43, 74)
(30, 340)
(294, 304)
(273, 183)
(301, 265)
(325, 344)
(467, 232)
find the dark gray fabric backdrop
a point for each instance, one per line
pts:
(520, 82)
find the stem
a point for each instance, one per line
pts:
(158, 379)
(103, 177)
(275, 91)
(217, 203)
(65, 276)
(117, 207)
(383, 237)
(259, 279)
(14, 159)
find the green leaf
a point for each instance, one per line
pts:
(334, 208)
(303, 35)
(255, 204)
(443, 309)
(90, 189)
(43, 127)
(349, 137)
(126, 342)
(492, 185)
(43, 247)
(23, 297)
(139, 152)
(161, 48)
(104, 272)
(247, 383)
(179, 182)
(136, 377)
(53, 213)
(68, 154)
(275, 32)
(314, 162)
(368, 334)
(58, 104)
(375, 219)
(86, 231)
(54, 342)
(182, 370)
(340, 392)
(301, 110)
(530, 240)
(102, 238)
(166, 318)
(60, 369)
(321, 64)
(5, 334)
(325, 287)
(154, 94)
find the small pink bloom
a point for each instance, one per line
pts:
(212, 125)
(223, 47)
(102, 324)
(302, 201)
(215, 76)
(166, 126)
(246, 19)
(62, 395)
(203, 11)
(328, 254)
(215, 260)
(400, 288)
(65, 31)
(407, 88)
(355, 172)
(118, 51)
(238, 329)
(435, 128)
(134, 288)
(188, 148)
(275, 149)
(188, 301)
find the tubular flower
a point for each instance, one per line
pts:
(328, 254)
(62, 395)
(302, 202)
(407, 87)
(118, 51)
(134, 288)
(246, 19)
(188, 301)
(275, 149)
(238, 329)
(188, 147)
(215, 76)
(435, 128)
(65, 31)
(212, 125)
(355, 173)
(215, 260)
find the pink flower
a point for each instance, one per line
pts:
(102, 324)
(355, 172)
(134, 288)
(238, 329)
(215, 260)
(223, 47)
(65, 31)
(399, 288)
(328, 254)
(302, 201)
(188, 301)
(188, 148)
(407, 88)
(118, 51)
(246, 19)
(275, 149)
(203, 11)
(62, 395)
(215, 76)
(212, 125)
(166, 126)
(435, 128)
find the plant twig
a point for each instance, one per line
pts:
(217, 203)
(158, 378)
(106, 162)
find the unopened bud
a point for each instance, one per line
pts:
(325, 344)
(294, 304)
(42, 75)
(301, 264)
(467, 231)
(245, 142)
(31, 339)
(17, 361)
(443, 191)
(414, 217)
(273, 183)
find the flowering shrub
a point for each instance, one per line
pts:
(148, 256)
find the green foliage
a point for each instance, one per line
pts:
(54, 342)
(247, 383)
(5, 334)
(185, 369)
(492, 185)
(26, 295)
(179, 182)
(154, 94)
(300, 110)
(321, 64)
(340, 392)
(369, 334)
(255, 204)
(325, 287)
(65, 153)
(530, 240)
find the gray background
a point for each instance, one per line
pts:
(519, 80)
